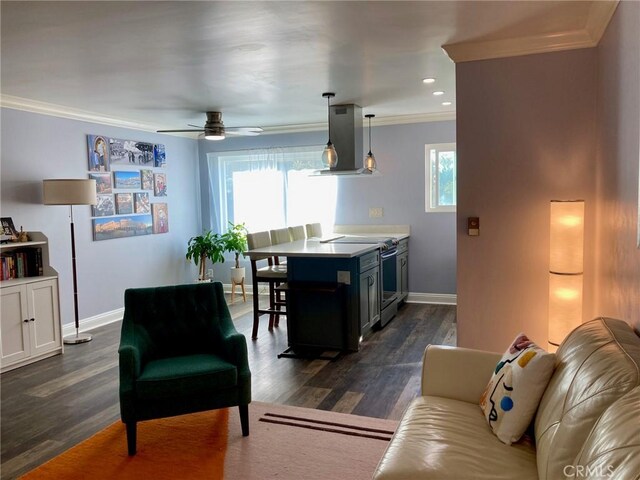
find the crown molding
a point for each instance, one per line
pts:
(600, 13)
(379, 122)
(43, 108)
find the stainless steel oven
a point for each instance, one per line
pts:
(389, 282)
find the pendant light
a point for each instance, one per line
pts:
(370, 161)
(329, 154)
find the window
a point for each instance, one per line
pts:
(270, 188)
(440, 177)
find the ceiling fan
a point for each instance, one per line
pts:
(214, 129)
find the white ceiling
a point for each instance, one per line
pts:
(163, 64)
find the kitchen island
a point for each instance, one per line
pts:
(324, 294)
(334, 291)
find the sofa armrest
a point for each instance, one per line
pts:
(457, 373)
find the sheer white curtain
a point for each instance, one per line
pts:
(270, 188)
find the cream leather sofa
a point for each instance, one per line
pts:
(587, 425)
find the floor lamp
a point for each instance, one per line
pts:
(71, 192)
(565, 269)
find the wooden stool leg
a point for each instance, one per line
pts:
(272, 304)
(256, 307)
(244, 294)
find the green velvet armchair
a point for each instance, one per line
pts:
(180, 353)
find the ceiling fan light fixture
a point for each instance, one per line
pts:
(329, 154)
(215, 133)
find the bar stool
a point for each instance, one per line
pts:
(314, 230)
(273, 274)
(297, 232)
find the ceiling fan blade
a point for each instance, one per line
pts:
(169, 131)
(244, 131)
(197, 126)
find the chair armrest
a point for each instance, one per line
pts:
(457, 373)
(235, 349)
(130, 366)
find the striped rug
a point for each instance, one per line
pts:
(284, 443)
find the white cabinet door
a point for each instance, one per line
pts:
(14, 328)
(44, 318)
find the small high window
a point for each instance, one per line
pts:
(440, 177)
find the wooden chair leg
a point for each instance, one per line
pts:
(244, 419)
(131, 438)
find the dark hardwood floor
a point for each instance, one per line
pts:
(50, 406)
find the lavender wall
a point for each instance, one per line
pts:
(525, 128)
(35, 147)
(618, 164)
(399, 150)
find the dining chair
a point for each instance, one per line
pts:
(297, 233)
(273, 274)
(314, 230)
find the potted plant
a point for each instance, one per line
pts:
(235, 240)
(208, 245)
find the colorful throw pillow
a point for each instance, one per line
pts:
(511, 398)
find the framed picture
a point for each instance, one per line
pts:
(160, 184)
(130, 152)
(147, 179)
(121, 227)
(104, 206)
(103, 182)
(124, 203)
(160, 214)
(158, 156)
(98, 153)
(125, 179)
(141, 203)
(8, 227)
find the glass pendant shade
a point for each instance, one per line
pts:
(370, 162)
(329, 154)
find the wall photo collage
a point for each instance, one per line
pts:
(129, 188)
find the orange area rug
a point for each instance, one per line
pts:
(284, 443)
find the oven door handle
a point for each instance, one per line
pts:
(389, 254)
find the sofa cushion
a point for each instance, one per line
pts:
(611, 450)
(511, 398)
(179, 376)
(596, 364)
(442, 439)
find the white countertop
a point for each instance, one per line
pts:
(313, 248)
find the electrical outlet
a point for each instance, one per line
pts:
(376, 212)
(344, 276)
(210, 273)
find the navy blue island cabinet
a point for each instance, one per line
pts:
(332, 302)
(333, 292)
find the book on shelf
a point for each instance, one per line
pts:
(20, 263)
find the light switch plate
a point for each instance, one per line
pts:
(376, 212)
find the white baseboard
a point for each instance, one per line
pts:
(106, 318)
(94, 322)
(434, 298)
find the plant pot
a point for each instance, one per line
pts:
(237, 274)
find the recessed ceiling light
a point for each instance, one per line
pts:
(438, 93)
(446, 104)
(428, 80)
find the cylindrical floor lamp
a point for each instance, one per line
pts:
(71, 192)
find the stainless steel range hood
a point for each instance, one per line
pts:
(347, 135)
